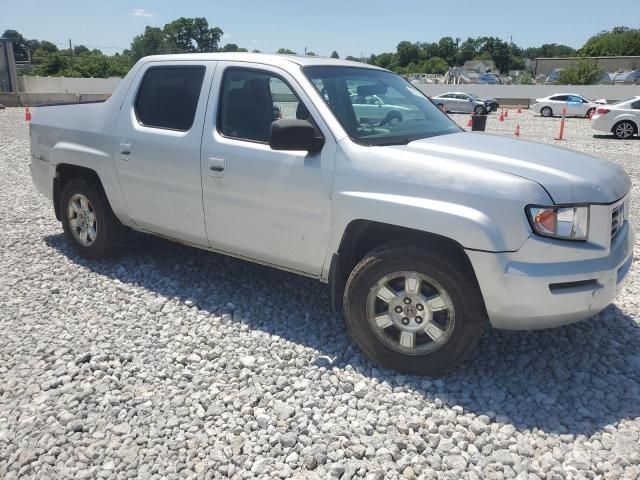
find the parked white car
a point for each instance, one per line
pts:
(622, 118)
(424, 232)
(575, 105)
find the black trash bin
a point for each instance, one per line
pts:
(478, 123)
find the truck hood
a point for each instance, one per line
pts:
(568, 176)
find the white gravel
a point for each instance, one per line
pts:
(171, 362)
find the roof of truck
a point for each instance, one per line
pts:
(271, 59)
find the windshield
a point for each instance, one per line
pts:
(376, 107)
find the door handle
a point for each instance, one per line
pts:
(217, 165)
(126, 148)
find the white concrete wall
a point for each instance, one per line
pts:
(594, 92)
(33, 84)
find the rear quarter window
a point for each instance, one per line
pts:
(168, 97)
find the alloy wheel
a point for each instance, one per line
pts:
(624, 130)
(410, 312)
(82, 220)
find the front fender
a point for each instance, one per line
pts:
(470, 227)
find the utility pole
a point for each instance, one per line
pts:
(70, 53)
(509, 53)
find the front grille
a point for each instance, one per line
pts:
(617, 219)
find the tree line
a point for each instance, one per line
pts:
(187, 35)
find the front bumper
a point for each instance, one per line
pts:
(547, 284)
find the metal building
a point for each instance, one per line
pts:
(8, 78)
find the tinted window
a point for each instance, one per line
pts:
(559, 98)
(251, 100)
(636, 105)
(168, 97)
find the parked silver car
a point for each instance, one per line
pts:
(461, 102)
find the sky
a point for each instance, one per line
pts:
(352, 27)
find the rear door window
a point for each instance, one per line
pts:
(168, 97)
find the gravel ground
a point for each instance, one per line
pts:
(170, 362)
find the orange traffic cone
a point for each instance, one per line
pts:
(517, 132)
(591, 113)
(501, 116)
(506, 112)
(470, 122)
(561, 132)
(519, 109)
(27, 114)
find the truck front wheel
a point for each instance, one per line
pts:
(413, 310)
(88, 222)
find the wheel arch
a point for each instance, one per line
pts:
(66, 172)
(361, 236)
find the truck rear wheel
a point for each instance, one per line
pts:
(413, 310)
(88, 222)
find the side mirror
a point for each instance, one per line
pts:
(297, 135)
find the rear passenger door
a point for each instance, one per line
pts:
(157, 148)
(271, 206)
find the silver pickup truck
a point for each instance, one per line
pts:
(424, 232)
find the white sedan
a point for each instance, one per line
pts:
(575, 105)
(622, 118)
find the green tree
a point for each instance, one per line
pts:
(584, 72)
(351, 58)
(80, 49)
(549, 50)
(523, 79)
(406, 53)
(436, 65)
(19, 45)
(152, 42)
(618, 41)
(230, 47)
(285, 51)
(311, 54)
(189, 35)
(334, 54)
(384, 60)
(255, 50)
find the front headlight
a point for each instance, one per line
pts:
(566, 222)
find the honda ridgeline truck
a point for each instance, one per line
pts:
(346, 173)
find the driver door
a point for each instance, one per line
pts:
(262, 204)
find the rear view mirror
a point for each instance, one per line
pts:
(297, 135)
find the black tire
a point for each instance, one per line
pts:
(110, 233)
(546, 112)
(457, 281)
(624, 130)
(479, 110)
(590, 112)
(441, 106)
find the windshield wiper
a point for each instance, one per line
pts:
(402, 141)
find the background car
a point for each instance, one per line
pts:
(491, 103)
(460, 102)
(576, 105)
(380, 108)
(622, 118)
